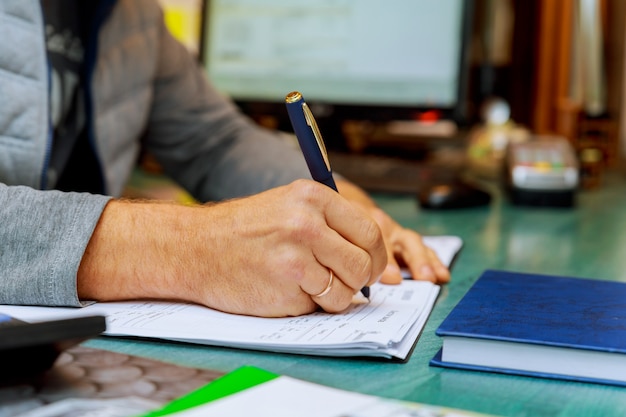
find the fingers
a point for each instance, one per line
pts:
(344, 239)
(336, 297)
(391, 274)
(407, 247)
(350, 263)
(368, 257)
(328, 290)
(442, 273)
(422, 261)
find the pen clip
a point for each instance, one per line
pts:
(310, 120)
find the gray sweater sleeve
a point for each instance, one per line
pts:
(204, 142)
(44, 235)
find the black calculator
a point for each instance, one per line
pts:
(28, 349)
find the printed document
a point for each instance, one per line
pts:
(387, 326)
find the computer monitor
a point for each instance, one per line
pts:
(377, 60)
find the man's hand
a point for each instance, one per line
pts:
(404, 246)
(265, 255)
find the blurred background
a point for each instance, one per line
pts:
(412, 91)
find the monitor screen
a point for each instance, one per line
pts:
(374, 59)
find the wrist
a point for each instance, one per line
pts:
(135, 252)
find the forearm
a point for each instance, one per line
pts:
(137, 251)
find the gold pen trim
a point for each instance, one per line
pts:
(310, 120)
(293, 97)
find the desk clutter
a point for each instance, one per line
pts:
(531, 170)
(94, 382)
(382, 173)
(28, 349)
(584, 241)
(282, 396)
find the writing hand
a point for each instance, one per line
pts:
(264, 255)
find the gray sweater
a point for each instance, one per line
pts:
(145, 89)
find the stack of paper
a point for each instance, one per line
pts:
(387, 326)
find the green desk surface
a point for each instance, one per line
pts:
(586, 241)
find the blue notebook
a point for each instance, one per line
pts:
(538, 325)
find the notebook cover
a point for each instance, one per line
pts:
(542, 309)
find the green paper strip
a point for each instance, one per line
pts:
(231, 383)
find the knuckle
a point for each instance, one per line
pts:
(339, 304)
(408, 234)
(306, 189)
(293, 265)
(361, 268)
(301, 226)
(372, 235)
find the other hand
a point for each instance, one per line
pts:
(405, 247)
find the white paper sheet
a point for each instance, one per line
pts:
(288, 397)
(386, 326)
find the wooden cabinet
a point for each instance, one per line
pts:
(567, 55)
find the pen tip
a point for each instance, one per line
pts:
(366, 292)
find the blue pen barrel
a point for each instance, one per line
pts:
(312, 146)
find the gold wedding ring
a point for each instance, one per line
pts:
(330, 284)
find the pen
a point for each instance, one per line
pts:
(312, 144)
